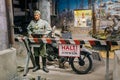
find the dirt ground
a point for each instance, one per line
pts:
(98, 71)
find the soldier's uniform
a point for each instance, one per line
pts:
(39, 29)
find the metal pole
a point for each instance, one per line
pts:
(107, 62)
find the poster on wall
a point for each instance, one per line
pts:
(82, 18)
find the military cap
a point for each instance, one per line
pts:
(37, 12)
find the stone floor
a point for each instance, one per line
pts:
(98, 71)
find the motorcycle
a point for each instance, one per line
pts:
(81, 65)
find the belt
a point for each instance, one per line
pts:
(37, 35)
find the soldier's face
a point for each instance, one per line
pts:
(36, 16)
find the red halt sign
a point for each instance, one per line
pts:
(69, 50)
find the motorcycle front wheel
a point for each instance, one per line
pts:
(82, 64)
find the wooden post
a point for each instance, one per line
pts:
(94, 18)
(10, 21)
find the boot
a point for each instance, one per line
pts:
(44, 65)
(37, 67)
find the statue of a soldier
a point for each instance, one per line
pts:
(39, 28)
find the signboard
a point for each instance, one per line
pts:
(69, 50)
(82, 18)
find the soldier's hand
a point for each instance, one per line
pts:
(30, 36)
(44, 36)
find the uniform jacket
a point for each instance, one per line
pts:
(39, 27)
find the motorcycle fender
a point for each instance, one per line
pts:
(85, 52)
